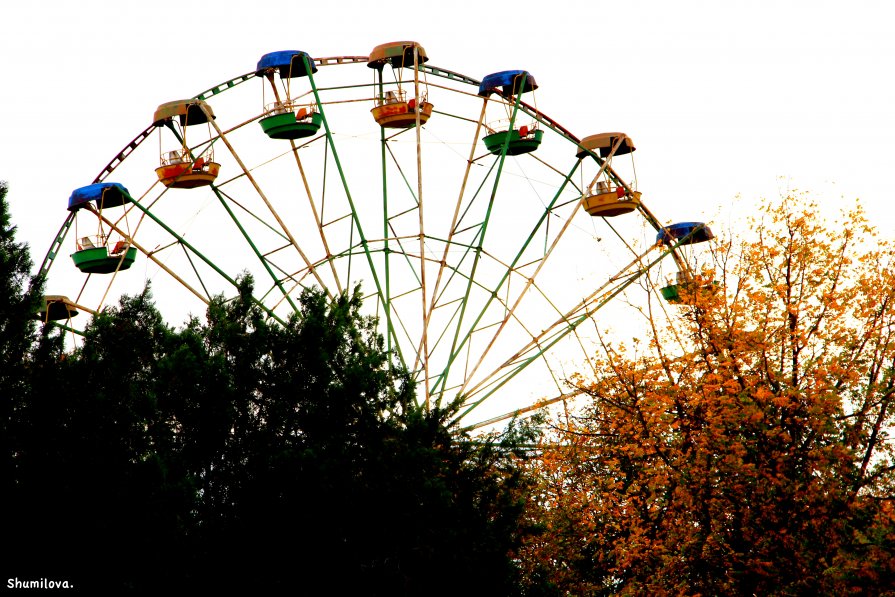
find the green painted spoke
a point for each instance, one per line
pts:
(198, 254)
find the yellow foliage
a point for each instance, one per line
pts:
(746, 454)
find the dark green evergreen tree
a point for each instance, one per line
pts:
(19, 300)
(241, 454)
(333, 480)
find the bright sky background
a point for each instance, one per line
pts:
(723, 99)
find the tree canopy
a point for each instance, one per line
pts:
(19, 299)
(242, 454)
(748, 450)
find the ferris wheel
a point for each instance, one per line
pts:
(485, 236)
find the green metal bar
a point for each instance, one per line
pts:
(195, 271)
(403, 252)
(257, 252)
(242, 230)
(257, 218)
(531, 236)
(476, 259)
(355, 217)
(573, 325)
(455, 271)
(478, 251)
(388, 218)
(67, 328)
(448, 243)
(409, 186)
(196, 252)
(453, 243)
(474, 196)
(351, 250)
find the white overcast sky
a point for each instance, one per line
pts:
(722, 98)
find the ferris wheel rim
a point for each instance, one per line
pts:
(529, 110)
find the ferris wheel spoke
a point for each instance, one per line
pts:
(254, 247)
(566, 324)
(290, 101)
(387, 231)
(194, 251)
(270, 207)
(255, 216)
(396, 316)
(475, 263)
(151, 256)
(414, 193)
(189, 259)
(511, 267)
(356, 224)
(538, 405)
(422, 230)
(317, 216)
(448, 242)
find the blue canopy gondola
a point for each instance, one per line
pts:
(101, 253)
(686, 286)
(284, 119)
(518, 139)
(289, 63)
(690, 232)
(104, 194)
(510, 82)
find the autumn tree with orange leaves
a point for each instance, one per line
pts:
(749, 449)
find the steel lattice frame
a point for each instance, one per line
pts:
(466, 271)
